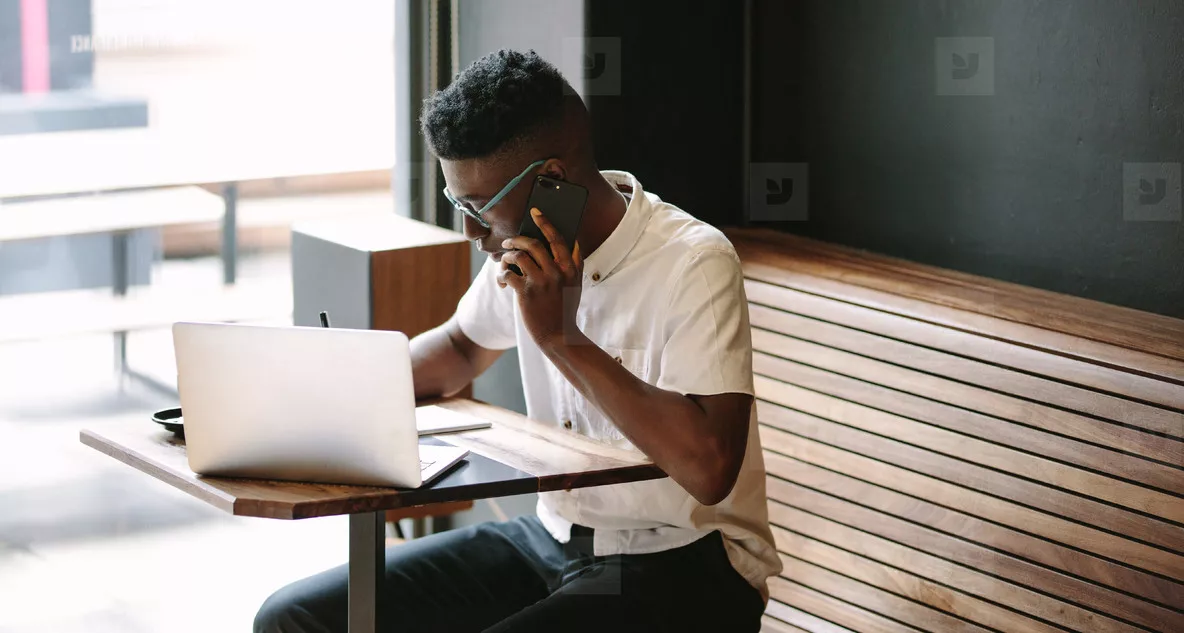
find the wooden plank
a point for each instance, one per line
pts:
(1005, 551)
(903, 381)
(108, 213)
(796, 617)
(81, 312)
(914, 587)
(1001, 458)
(831, 609)
(1145, 363)
(533, 458)
(1028, 302)
(973, 502)
(841, 512)
(1075, 316)
(952, 470)
(976, 424)
(906, 571)
(873, 598)
(441, 278)
(769, 624)
(921, 364)
(561, 459)
(775, 301)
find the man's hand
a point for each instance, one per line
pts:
(549, 288)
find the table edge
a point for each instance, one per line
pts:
(156, 471)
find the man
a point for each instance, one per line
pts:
(636, 335)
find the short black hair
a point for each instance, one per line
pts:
(503, 97)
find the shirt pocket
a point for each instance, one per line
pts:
(598, 425)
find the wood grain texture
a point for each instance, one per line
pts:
(936, 451)
(947, 452)
(872, 598)
(934, 284)
(796, 617)
(416, 289)
(764, 267)
(542, 459)
(561, 459)
(965, 420)
(908, 365)
(765, 296)
(903, 570)
(1034, 414)
(1034, 502)
(1038, 563)
(908, 585)
(1075, 316)
(973, 502)
(825, 607)
(770, 624)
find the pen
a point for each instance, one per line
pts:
(324, 319)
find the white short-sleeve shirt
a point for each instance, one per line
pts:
(664, 295)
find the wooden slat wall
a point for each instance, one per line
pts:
(950, 453)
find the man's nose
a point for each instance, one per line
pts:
(472, 229)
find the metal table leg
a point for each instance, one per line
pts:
(121, 269)
(230, 233)
(367, 557)
(120, 272)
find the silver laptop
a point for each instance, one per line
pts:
(303, 404)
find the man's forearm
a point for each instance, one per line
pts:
(438, 368)
(668, 427)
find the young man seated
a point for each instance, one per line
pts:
(636, 335)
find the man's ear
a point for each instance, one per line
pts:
(554, 168)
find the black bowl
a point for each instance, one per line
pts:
(171, 419)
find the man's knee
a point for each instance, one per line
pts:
(282, 613)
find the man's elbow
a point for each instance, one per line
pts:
(719, 479)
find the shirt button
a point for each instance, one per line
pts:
(595, 276)
(567, 424)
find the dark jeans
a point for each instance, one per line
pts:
(514, 576)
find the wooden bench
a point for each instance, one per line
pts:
(951, 453)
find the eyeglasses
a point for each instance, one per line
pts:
(476, 214)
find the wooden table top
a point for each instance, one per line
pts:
(514, 456)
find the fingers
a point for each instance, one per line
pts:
(558, 245)
(531, 249)
(524, 262)
(511, 279)
(578, 258)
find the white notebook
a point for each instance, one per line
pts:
(431, 420)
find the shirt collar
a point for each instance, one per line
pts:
(605, 259)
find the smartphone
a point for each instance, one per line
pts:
(562, 203)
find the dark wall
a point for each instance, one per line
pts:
(1023, 181)
(674, 117)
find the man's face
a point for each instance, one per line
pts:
(474, 182)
